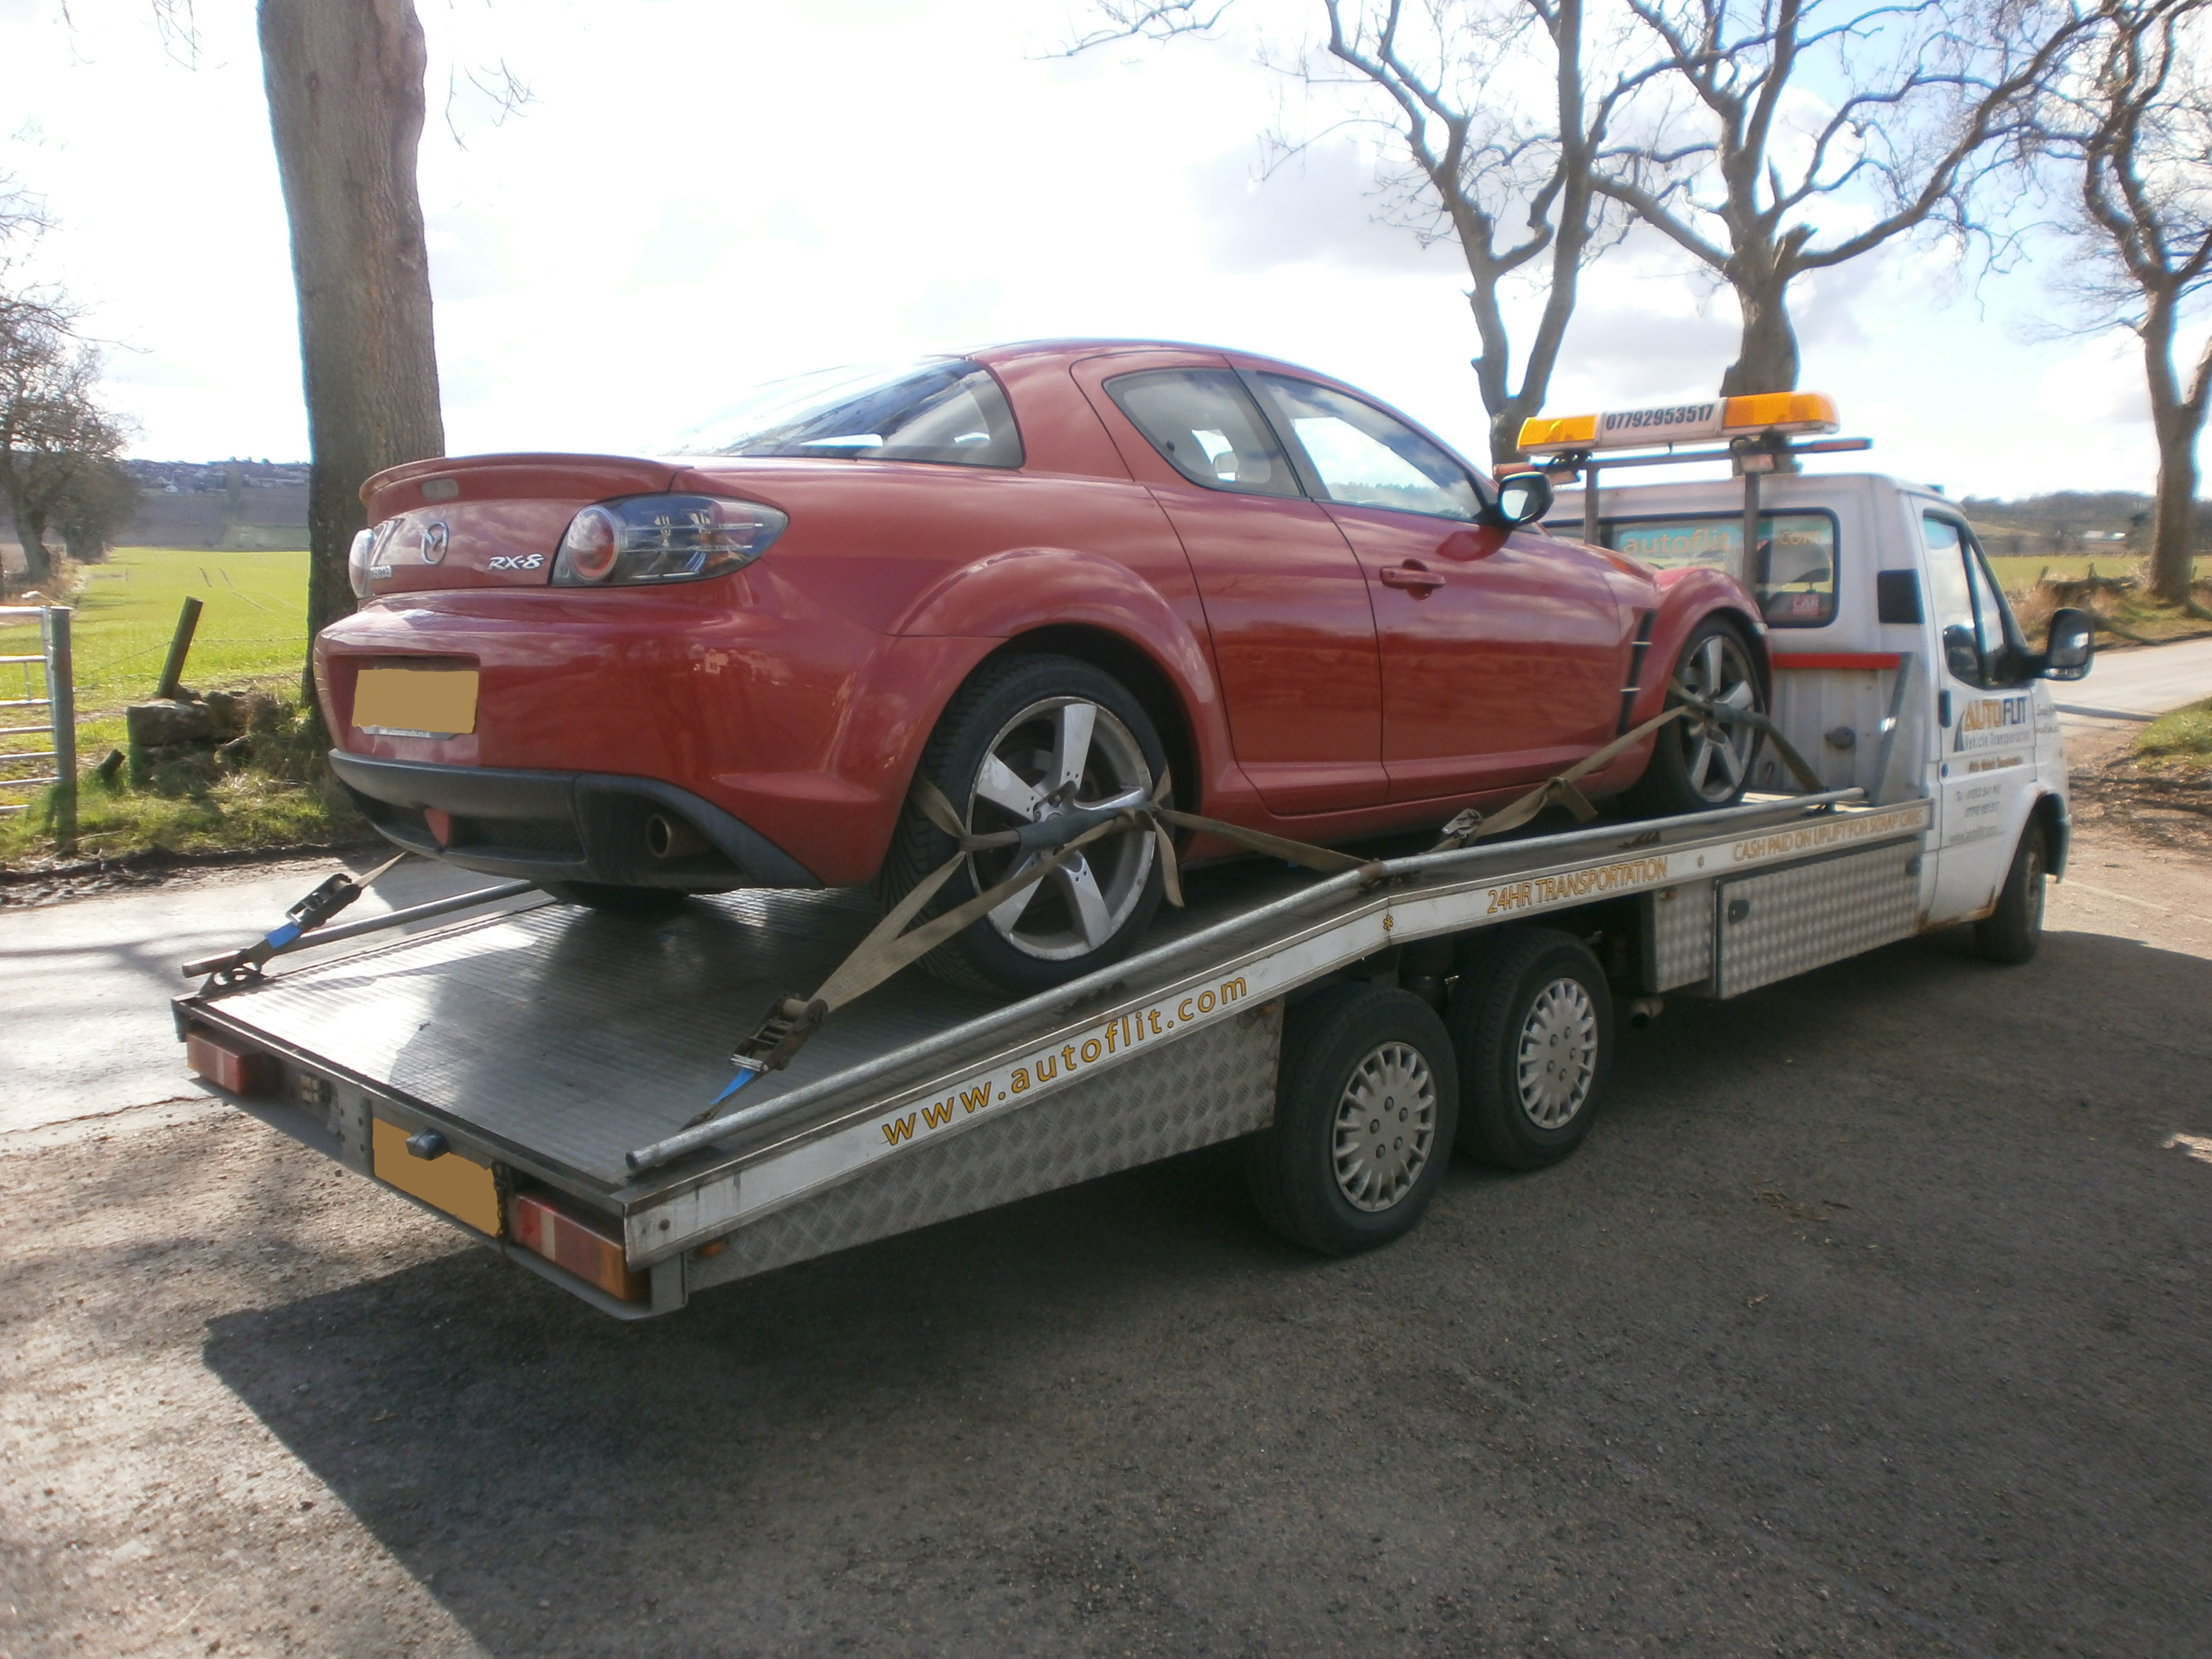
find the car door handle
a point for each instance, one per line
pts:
(1413, 578)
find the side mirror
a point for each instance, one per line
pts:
(2072, 644)
(1523, 498)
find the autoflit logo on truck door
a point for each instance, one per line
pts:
(1989, 722)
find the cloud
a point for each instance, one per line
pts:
(949, 311)
(786, 223)
(1319, 206)
(685, 245)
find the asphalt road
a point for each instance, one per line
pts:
(2126, 689)
(1871, 1321)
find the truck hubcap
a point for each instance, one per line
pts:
(1557, 1055)
(1056, 756)
(1385, 1127)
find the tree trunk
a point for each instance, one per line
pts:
(30, 528)
(1766, 359)
(2177, 416)
(31, 531)
(2173, 518)
(345, 79)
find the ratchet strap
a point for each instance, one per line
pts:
(321, 903)
(791, 1020)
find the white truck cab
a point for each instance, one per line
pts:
(1899, 668)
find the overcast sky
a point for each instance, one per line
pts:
(705, 193)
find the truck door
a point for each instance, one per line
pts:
(1985, 703)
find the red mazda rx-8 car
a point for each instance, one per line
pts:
(1040, 575)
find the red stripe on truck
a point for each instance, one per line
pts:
(1835, 659)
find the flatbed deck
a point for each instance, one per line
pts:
(566, 1049)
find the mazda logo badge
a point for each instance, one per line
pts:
(433, 544)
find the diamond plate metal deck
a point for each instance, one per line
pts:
(1218, 1085)
(571, 1035)
(1804, 916)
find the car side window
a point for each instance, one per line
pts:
(1982, 643)
(1365, 458)
(1206, 426)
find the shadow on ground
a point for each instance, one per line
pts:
(1872, 1320)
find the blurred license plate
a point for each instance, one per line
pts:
(416, 703)
(454, 1182)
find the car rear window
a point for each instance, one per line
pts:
(1795, 577)
(948, 411)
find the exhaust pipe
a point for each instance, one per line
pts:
(672, 838)
(1642, 1010)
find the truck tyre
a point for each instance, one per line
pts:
(1026, 739)
(645, 904)
(1531, 1022)
(1365, 1102)
(1697, 763)
(2010, 933)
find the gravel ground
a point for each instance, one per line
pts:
(1872, 1320)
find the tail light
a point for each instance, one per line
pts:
(357, 557)
(644, 539)
(361, 568)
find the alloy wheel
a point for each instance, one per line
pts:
(1716, 754)
(1057, 756)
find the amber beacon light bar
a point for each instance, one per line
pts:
(1760, 433)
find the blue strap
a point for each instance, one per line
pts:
(736, 1082)
(281, 937)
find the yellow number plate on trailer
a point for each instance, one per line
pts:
(416, 701)
(460, 1186)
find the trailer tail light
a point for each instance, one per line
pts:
(234, 1070)
(543, 1225)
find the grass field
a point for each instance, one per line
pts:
(252, 633)
(2017, 575)
(2182, 739)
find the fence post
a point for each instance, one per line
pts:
(181, 646)
(61, 704)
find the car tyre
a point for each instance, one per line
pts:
(2011, 933)
(1698, 764)
(1531, 1022)
(1023, 739)
(1365, 1103)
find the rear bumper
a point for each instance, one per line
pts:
(561, 826)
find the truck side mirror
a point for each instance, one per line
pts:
(2072, 644)
(1523, 498)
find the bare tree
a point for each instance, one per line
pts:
(1510, 184)
(344, 80)
(58, 444)
(1737, 168)
(96, 509)
(2136, 123)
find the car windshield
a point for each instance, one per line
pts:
(947, 410)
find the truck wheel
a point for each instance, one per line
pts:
(1026, 739)
(2010, 933)
(1531, 1029)
(1365, 1107)
(1698, 764)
